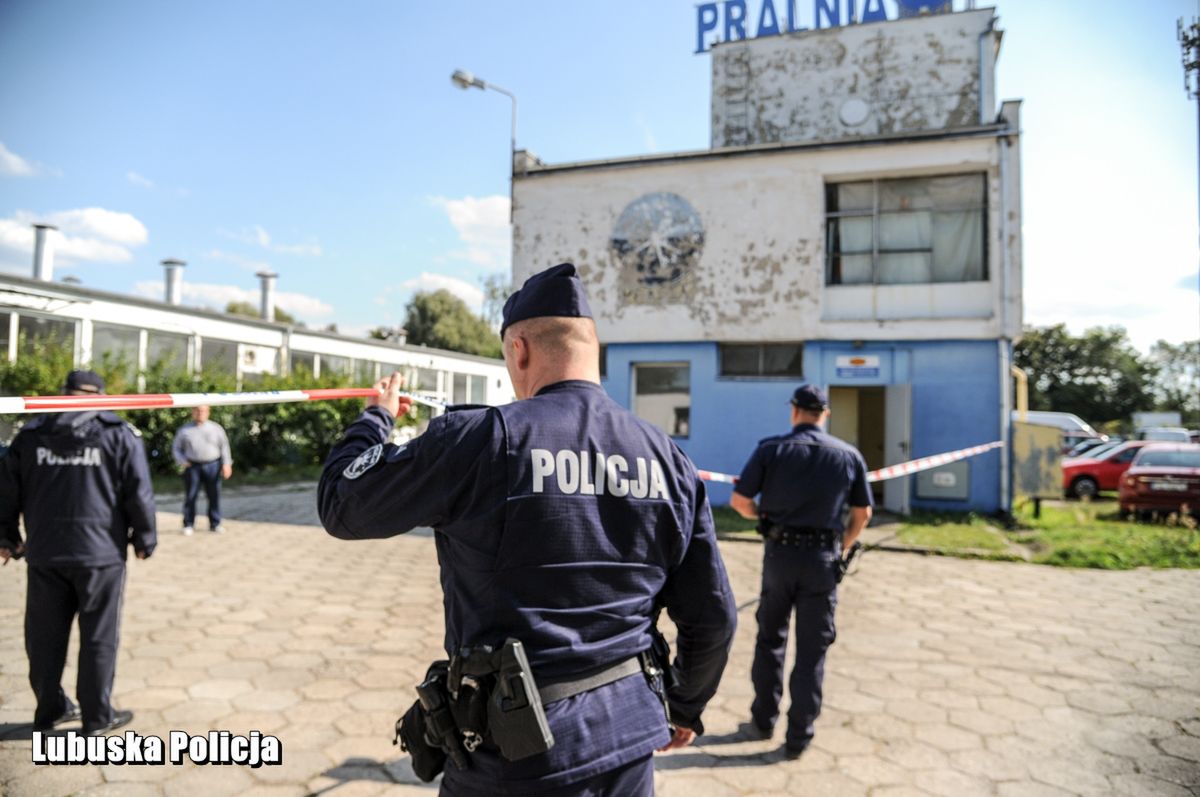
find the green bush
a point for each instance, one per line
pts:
(262, 437)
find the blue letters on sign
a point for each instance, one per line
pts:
(768, 28)
(735, 20)
(826, 14)
(706, 20)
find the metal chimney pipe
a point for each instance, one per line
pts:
(43, 252)
(266, 307)
(173, 271)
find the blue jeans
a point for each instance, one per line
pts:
(209, 475)
(803, 580)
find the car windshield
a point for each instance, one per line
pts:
(1099, 450)
(1170, 459)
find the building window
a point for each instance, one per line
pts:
(33, 329)
(460, 389)
(912, 230)
(478, 390)
(761, 359)
(5, 335)
(662, 395)
(603, 361)
(117, 347)
(427, 380)
(166, 352)
(331, 365)
(364, 372)
(302, 362)
(219, 356)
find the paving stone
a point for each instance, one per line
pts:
(1012, 662)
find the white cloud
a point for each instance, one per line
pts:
(214, 295)
(13, 165)
(258, 236)
(483, 227)
(139, 180)
(471, 294)
(648, 139)
(92, 235)
(248, 263)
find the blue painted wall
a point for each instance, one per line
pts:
(955, 403)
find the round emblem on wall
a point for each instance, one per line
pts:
(658, 237)
(366, 460)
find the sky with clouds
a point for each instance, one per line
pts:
(326, 142)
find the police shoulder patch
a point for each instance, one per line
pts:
(365, 461)
(136, 431)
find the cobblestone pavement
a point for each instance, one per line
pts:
(949, 677)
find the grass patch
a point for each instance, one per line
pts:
(1093, 534)
(282, 474)
(731, 525)
(953, 532)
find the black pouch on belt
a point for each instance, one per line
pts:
(427, 760)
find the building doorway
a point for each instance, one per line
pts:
(875, 420)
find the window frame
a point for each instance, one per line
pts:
(832, 217)
(760, 374)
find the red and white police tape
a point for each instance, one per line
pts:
(17, 405)
(891, 471)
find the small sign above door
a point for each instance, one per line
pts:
(858, 366)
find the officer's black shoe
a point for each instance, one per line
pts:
(792, 753)
(759, 732)
(70, 715)
(120, 719)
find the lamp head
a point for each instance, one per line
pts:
(465, 80)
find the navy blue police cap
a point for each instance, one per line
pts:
(88, 381)
(810, 397)
(557, 291)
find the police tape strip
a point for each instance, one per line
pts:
(891, 471)
(147, 401)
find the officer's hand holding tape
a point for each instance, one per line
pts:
(389, 396)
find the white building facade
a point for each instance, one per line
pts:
(856, 224)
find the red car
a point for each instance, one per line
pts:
(1165, 477)
(1086, 476)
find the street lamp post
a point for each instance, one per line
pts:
(465, 80)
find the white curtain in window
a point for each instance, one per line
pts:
(958, 246)
(855, 234)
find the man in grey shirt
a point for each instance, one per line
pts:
(201, 449)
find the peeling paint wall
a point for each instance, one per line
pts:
(744, 239)
(907, 75)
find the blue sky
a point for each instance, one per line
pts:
(325, 140)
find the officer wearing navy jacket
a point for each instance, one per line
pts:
(562, 521)
(82, 481)
(806, 479)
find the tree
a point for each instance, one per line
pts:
(1099, 375)
(496, 290)
(384, 332)
(1177, 387)
(443, 320)
(250, 311)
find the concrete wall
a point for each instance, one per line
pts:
(917, 74)
(753, 245)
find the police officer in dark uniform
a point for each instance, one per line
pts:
(564, 522)
(805, 478)
(82, 481)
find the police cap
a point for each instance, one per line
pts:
(557, 291)
(810, 397)
(87, 381)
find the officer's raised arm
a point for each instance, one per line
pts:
(371, 489)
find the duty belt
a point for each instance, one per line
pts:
(593, 679)
(803, 536)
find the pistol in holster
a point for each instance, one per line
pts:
(661, 672)
(428, 731)
(503, 698)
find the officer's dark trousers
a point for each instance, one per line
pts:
(53, 598)
(207, 474)
(635, 779)
(803, 579)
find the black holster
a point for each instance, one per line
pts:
(428, 731)
(500, 684)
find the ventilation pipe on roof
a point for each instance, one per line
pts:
(173, 273)
(43, 251)
(266, 307)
